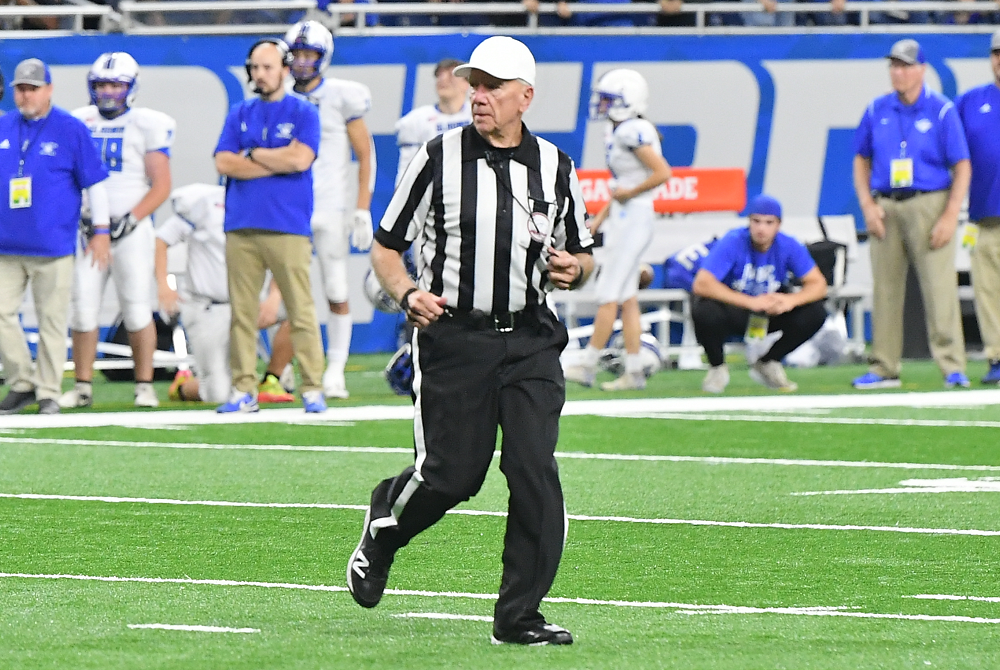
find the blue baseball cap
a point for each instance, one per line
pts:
(764, 204)
(33, 72)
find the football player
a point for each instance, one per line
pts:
(421, 124)
(134, 143)
(342, 105)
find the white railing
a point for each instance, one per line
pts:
(166, 17)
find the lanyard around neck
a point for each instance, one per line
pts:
(25, 146)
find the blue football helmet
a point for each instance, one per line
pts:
(399, 371)
(118, 67)
(313, 36)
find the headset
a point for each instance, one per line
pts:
(286, 54)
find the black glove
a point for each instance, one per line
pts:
(122, 226)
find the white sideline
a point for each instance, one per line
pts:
(712, 460)
(572, 517)
(191, 629)
(983, 599)
(444, 615)
(620, 408)
(681, 607)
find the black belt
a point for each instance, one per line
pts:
(899, 194)
(502, 322)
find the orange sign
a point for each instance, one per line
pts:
(687, 190)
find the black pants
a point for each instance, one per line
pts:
(468, 381)
(715, 322)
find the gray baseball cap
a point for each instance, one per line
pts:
(32, 71)
(908, 51)
(995, 42)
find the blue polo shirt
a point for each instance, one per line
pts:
(281, 203)
(61, 160)
(932, 132)
(735, 262)
(979, 109)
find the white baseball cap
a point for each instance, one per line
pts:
(502, 57)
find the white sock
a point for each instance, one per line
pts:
(84, 388)
(338, 339)
(633, 364)
(590, 356)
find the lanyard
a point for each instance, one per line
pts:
(23, 147)
(906, 135)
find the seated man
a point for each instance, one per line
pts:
(737, 292)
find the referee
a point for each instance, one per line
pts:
(498, 219)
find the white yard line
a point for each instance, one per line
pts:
(572, 517)
(845, 421)
(682, 607)
(622, 408)
(191, 629)
(983, 599)
(444, 615)
(712, 460)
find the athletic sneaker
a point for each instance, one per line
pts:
(716, 379)
(536, 636)
(630, 381)
(81, 395)
(334, 385)
(584, 375)
(956, 379)
(271, 390)
(772, 375)
(145, 395)
(239, 402)
(313, 402)
(993, 376)
(287, 378)
(368, 568)
(870, 380)
(174, 392)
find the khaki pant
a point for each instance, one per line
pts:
(986, 287)
(908, 225)
(51, 282)
(249, 254)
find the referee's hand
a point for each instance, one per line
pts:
(423, 308)
(564, 268)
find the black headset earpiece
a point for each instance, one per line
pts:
(286, 53)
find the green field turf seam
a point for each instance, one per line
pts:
(493, 513)
(685, 608)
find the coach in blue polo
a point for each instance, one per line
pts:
(46, 160)
(979, 109)
(911, 174)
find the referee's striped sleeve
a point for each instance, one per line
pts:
(409, 204)
(575, 235)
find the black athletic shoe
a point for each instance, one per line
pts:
(368, 568)
(16, 401)
(48, 406)
(536, 636)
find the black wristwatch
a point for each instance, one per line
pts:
(575, 284)
(250, 154)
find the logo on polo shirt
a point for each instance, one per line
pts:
(47, 149)
(5, 144)
(923, 125)
(985, 109)
(285, 130)
(884, 121)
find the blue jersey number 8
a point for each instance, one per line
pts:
(110, 149)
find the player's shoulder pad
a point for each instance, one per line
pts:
(409, 128)
(634, 133)
(85, 113)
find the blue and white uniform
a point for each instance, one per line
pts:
(628, 230)
(423, 124)
(123, 143)
(199, 216)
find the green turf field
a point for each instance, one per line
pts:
(821, 529)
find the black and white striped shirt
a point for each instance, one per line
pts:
(482, 218)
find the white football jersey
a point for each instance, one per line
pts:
(199, 215)
(123, 143)
(339, 101)
(621, 144)
(423, 124)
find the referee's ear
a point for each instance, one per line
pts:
(528, 94)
